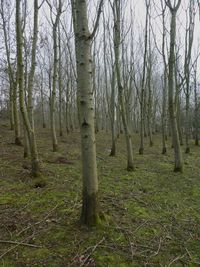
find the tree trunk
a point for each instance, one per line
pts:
(117, 40)
(55, 78)
(90, 204)
(178, 167)
(27, 117)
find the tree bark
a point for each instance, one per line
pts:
(28, 120)
(117, 40)
(83, 41)
(178, 164)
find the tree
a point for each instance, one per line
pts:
(196, 107)
(189, 37)
(55, 73)
(178, 164)
(83, 41)
(117, 41)
(14, 114)
(27, 116)
(165, 84)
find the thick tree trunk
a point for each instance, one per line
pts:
(90, 205)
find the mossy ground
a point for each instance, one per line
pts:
(152, 215)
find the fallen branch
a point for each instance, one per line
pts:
(12, 248)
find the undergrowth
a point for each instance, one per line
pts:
(151, 215)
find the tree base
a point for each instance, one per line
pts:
(90, 210)
(18, 141)
(164, 150)
(187, 150)
(141, 151)
(55, 147)
(25, 154)
(130, 168)
(35, 169)
(178, 169)
(113, 152)
(151, 143)
(196, 142)
(39, 182)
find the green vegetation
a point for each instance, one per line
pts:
(151, 216)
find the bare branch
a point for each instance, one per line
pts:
(97, 20)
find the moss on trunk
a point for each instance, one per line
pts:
(90, 209)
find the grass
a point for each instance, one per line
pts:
(152, 215)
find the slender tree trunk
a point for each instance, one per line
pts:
(165, 85)
(117, 40)
(178, 167)
(11, 109)
(112, 107)
(27, 117)
(16, 116)
(164, 114)
(142, 94)
(42, 105)
(60, 84)
(187, 124)
(196, 117)
(55, 78)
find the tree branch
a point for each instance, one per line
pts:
(97, 20)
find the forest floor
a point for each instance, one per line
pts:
(152, 215)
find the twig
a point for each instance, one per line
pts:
(19, 243)
(159, 246)
(28, 227)
(94, 248)
(176, 259)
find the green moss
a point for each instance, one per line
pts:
(7, 198)
(111, 260)
(139, 208)
(39, 182)
(7, 263)
(196, 192)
